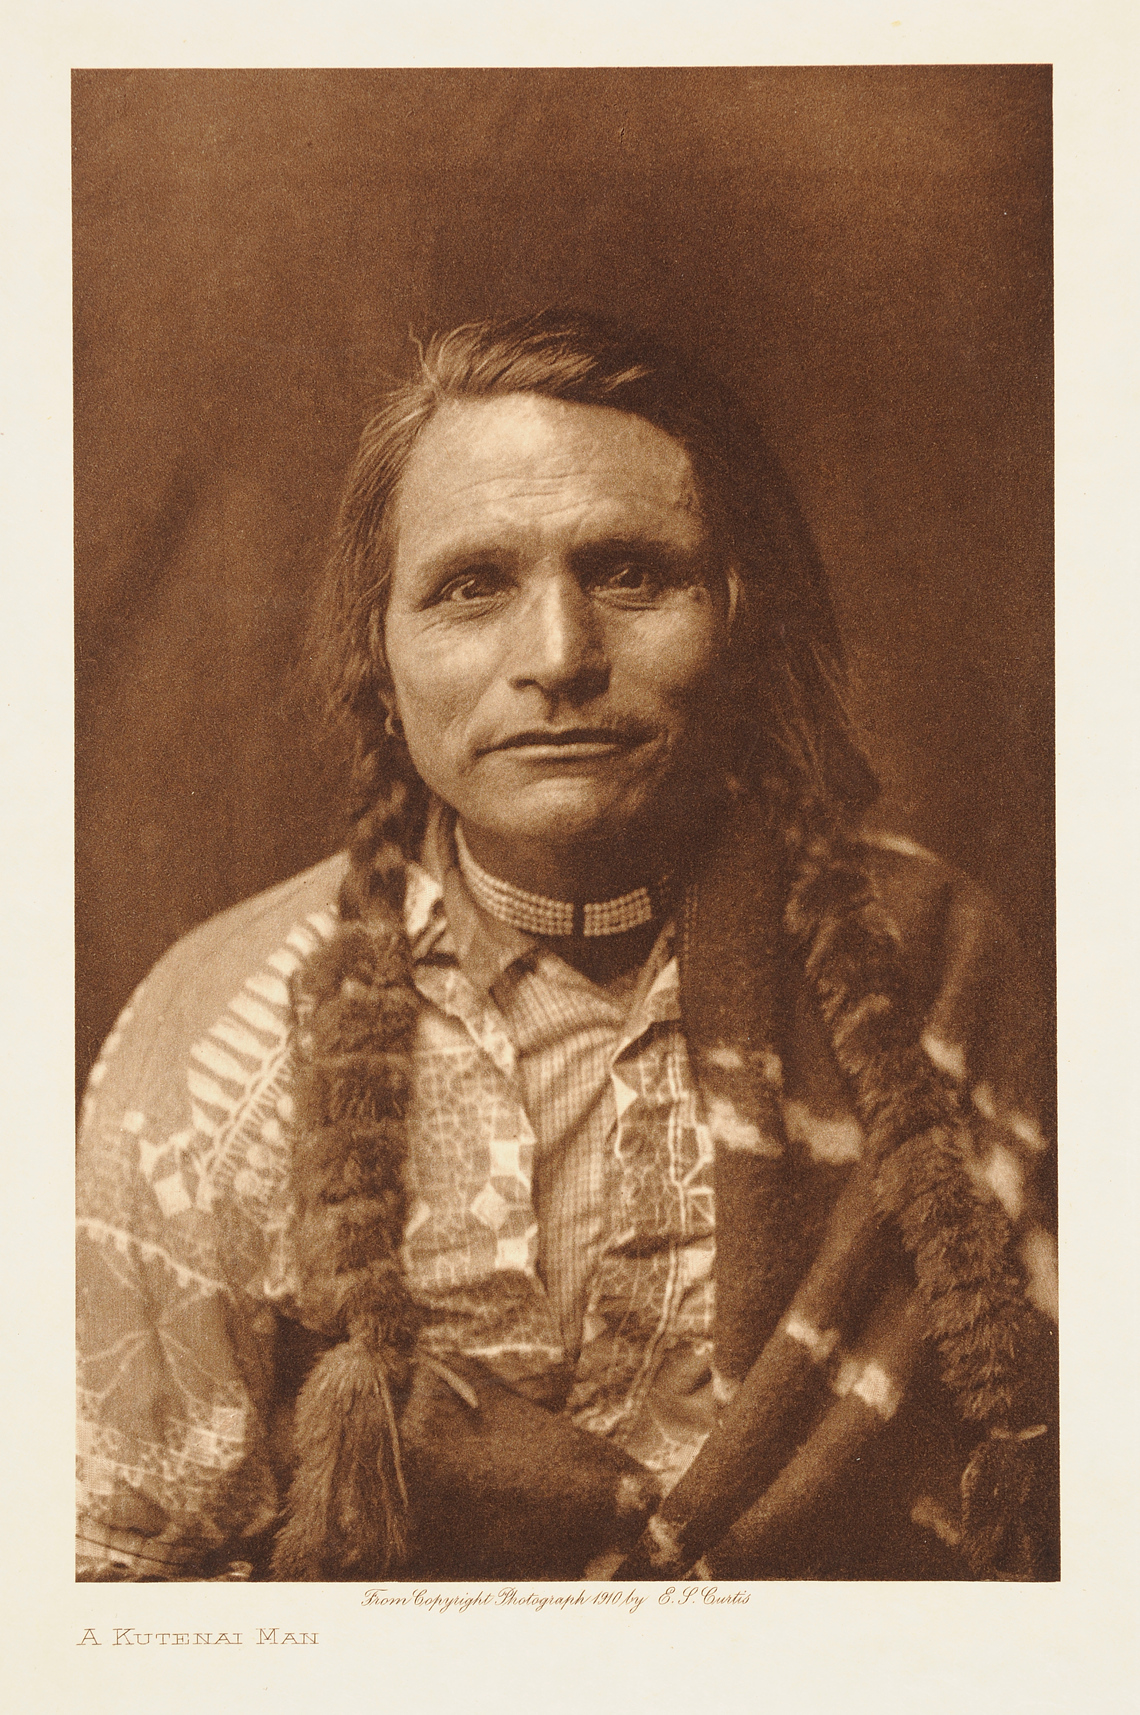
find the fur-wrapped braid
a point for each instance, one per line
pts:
(355, 1012)
(957, 1237)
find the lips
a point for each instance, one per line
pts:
(580, 739)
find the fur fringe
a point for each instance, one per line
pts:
(355, 1012)
(957, 1238)
(348, 1504)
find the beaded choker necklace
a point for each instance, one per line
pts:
(536, 915)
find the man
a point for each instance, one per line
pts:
(613, 1163)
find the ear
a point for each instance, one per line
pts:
(734, 586)
(738, 658)
(379, 673)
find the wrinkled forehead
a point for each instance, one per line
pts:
(527, 462)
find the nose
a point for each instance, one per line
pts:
(558, 643)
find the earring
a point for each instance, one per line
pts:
(393, 725)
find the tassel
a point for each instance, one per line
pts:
(354, 1018)
(348, 1502)
(996, 1487)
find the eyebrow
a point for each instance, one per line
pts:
(616, 542)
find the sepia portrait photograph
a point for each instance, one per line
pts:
(565, 841)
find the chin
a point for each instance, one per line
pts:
(565, 813)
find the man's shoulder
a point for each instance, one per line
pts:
(222, 950)
(894, 858)
(229, 975)
(922, 890)
(968, 972)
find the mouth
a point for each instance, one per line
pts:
(569, 743)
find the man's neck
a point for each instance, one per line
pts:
(586, 873)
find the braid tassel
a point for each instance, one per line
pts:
(355, 1012)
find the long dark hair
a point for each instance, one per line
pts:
(792, 739)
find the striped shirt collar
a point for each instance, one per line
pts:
(442, 920)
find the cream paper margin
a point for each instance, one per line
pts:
(795, 1646)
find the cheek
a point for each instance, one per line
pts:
(673, 659)
(437, 682)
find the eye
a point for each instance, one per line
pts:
(639, 582)
(474, 583)
(633, 578)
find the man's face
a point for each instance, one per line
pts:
(553, 621)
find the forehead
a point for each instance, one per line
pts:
(530, 465)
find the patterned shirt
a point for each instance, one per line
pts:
(561, 1223)
(561, 1208)
(560, 1171)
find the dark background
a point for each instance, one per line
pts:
(865, 251)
